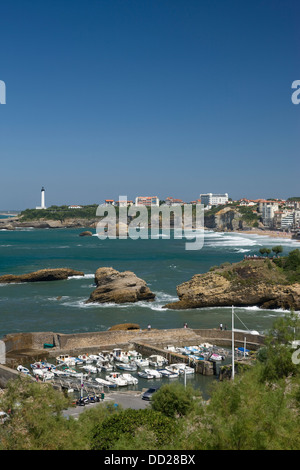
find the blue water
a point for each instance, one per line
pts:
(60, 306)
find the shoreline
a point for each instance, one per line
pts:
(13, 224)
(267, 233)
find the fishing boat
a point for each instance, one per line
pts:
(156, 374)
(44, 374)
(105, 382)
(90, 368)
(169, 374)
(120, 356)
(180, 368)
(85, 358)
(23, 369)
(116, 378)
(157, 361)
(66, 359)
(96, 357)
(146, 375)
(141, 363)
(216, 357)
(130, 379)
(125, 366)
(105, 366)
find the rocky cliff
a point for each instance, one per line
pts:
(119, 287)
(248, 283)
(229, 219)
(15, 223)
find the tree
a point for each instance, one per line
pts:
(276, 356)
(174, 400)
(36, 420)
(126, 424)
(262, 251)
(277, 249)
(268, 251)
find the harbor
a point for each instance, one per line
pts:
(104, 363)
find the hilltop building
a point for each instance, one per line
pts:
(211, 199)
(147, 201)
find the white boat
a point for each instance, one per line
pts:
(116, 378)
(105, 382)
(23, 369)
(85, 358)
(66, 359)
(126, 366)
(130, 379)
(145, 375)
(157, 361)
(167, 373)
(60, 373)
(141, 363)
(96, 357)
(216, 358)
(44, 374)
(180, 368)
(120, 356)
(105, 366)
(156, 373)
(90, 368)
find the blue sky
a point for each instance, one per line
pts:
(139, 97)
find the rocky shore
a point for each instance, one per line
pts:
(56, 274)
(16, 223)
(247, 283)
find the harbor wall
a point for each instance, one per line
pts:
(101, 340)
(7, 374)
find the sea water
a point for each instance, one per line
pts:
(59, 306)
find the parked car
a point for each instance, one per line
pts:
(148, 394)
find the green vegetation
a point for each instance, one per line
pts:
(290, 265)
(259, 410)
(249, 215)
(59, 213)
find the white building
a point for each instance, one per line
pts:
(42, 206)
(287, 221)
(211, 199)
(267, 210)
(147, 201)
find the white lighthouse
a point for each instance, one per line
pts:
(42, 206)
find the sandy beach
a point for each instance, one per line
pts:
(268, 233)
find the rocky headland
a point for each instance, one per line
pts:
(17, 223)
(56, 274)
(259, 282)
(119, 287)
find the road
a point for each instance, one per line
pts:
(126, 400)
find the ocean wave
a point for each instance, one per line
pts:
(85, 276)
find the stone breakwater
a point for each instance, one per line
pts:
(26, 344)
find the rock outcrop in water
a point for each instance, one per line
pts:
(248, 283)
(119, 287)
(56, 274)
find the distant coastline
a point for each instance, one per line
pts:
(14, 223)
